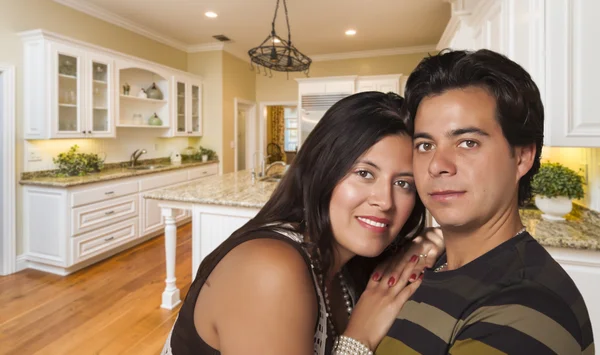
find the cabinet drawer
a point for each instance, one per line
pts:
(103, 193)
(99, 241)
(101, 214)
(203, 171)
(163, 180)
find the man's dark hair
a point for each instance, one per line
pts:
(519, 108)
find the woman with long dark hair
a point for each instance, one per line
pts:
(286, 282)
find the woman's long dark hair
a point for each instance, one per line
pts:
(346, 131)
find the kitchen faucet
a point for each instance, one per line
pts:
(135, 156)
(279, 162)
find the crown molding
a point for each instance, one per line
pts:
(373, 53)
(117, 20)
(206, 47)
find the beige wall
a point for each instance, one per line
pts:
(238, 82)
(22, 15)
(279, 88)
(209, 65)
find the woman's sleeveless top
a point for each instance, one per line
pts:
(184, 339)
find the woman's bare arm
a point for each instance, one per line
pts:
(261, 300)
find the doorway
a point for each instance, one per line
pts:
(244, 134)
(8, 170)
(279, 130)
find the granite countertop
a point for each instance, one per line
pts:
(580, 230)
(110, 172)
(233, 189)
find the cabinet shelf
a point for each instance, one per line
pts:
(141, 99)
(100, 82)
(100, 108)
(140, 126)
(65, 76)
(67, 105)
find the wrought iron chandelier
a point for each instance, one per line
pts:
(275, 53)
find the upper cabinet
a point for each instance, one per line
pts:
(76, 90)
(383, 83)
(188, 106)
(67, 90)
(555, 42)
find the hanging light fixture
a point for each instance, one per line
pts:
(275, 53)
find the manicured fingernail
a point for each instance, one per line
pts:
(376, 276)
(391, 281)
(421, 277)
(412, 278)
(413, 258)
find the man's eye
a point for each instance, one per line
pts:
(468, 144)
(424, 147)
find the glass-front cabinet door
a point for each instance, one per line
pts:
(67, 113)
(196, 114)
(100, 96)
(181, 93)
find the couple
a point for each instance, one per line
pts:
(331, 265)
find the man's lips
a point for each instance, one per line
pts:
(445, 195)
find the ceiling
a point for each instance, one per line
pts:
(318, 26)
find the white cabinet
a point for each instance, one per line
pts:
(383, 83)
(65, 229)
(73, 89)
(187, 111)
(555, 42)
(327, 85)
(572, 73)
(67, 91)
(583, 267)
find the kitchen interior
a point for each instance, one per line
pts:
(145, 133)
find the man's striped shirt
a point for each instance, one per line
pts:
(513, 300)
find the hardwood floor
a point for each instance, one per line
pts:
(112, 307)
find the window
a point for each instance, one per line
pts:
(290, 115)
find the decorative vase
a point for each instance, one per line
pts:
(142, 94)
(154, 92)
(555, 208)
(204, 157)
(154, 120)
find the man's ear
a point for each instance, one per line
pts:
(525, 156)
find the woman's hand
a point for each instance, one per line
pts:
(378, 306)
(422, 253)
(393, 282)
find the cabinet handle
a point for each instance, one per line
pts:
(109, 239)
(83, 132)
(90, 132)
(109, 193)
(109, 212)
(189, 132)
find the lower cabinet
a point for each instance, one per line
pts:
(66, 229)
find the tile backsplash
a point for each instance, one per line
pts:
(38, 154)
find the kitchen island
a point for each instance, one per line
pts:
(221, 204)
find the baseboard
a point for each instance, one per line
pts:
(22, 263)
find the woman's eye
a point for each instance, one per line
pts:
(404, 184)
(364, 174)
(424, 147)
(468, 144)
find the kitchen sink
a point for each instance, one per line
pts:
(146, 167)
(272, 178)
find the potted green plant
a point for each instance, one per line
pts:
(72, 163)
(207, 154)
(555, 187)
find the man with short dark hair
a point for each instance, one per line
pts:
(478, 133)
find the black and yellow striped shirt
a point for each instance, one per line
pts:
(513, 300)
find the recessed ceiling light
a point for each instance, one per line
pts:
(210, 14)
(350, 32)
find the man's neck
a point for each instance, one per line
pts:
(464, 245)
